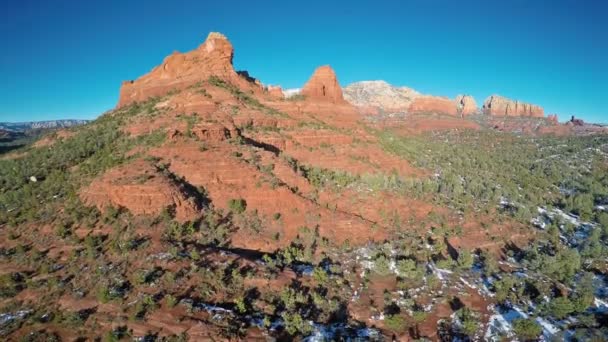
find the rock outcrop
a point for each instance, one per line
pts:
(323, 85)
(434, 104)
(497, 105)
(466, 105)
(379, 97)
(552, 119)
(143, 190)
(180, 70)
(576, 122)
(275, 91)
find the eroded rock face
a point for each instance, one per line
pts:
(323, 85)
(377, 97)
(466, 105)
(180, 70)
(433, 104)
(214, 132)
(275, 92)
(501, 106)
(142, 189)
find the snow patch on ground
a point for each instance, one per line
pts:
(501, 324)
(341, 330)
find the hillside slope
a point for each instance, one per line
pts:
(207, 206)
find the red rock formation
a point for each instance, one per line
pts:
(141, 189)
(576, 122)
(324, 85)
(214, 132)
(466, 104)
(500, 106)
(433, 104)
(275, 92)
(180, 70)
(552, 119)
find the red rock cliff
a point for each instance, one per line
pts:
(501, 106)
(324, 85)
(466, 104)
(433, 104)
(179, 70)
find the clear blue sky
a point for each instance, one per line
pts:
(67, 58)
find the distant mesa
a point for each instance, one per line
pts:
(497, 105)
(379, 97)
(434, 104)
(376, 97)
(323, 84)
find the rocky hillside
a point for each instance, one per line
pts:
(207, 206)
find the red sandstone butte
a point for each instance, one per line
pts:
(497, 105)
(466, 105)
(323, 84)
(180, 70)
(433, 104)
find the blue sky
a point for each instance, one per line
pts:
(67, 58)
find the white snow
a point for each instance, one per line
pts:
(329, 332)
(548, 329)
(601, 305)
(501, 323)
(7, 318)
(440, 272)
(467, 283)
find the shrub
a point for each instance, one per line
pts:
(526, 329)
(237, 206)
(408, 269)
(465, 260)
(10, 285)
(294, 324)
(395, 323)
(469, 322)
(382, 265)
(560, 307)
